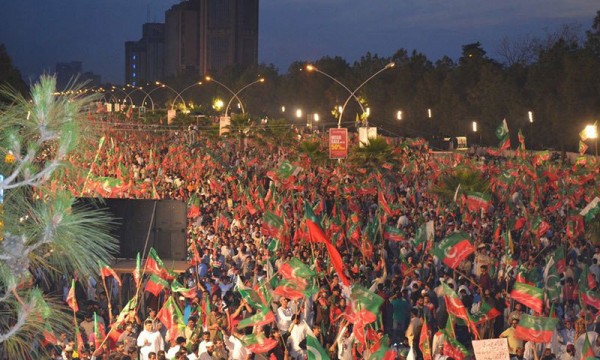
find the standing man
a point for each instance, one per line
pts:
(149, 340)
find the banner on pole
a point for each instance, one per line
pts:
(338, 143)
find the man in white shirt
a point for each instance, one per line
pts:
(298, 331)
(284, 316)
(173, 350)
(237, 350)
(149, 340)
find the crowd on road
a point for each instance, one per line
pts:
(299, 258)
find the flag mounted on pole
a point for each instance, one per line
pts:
(106, 271)
(453, 249)
(535, 328)
(71, 300)
(528, 295)
(503, 135)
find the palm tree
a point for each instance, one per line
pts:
(372, 155)
(469, 179)
(45, 230)
(312, 150)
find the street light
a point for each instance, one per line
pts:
(209, 78)
(261, 80)
(299, 113)
(399, 115)
(591, 132)
(186, 88)
(429, 114)
(352, 94)
(311, 67)
(530, 116)
(160, 86)
(139, 88)
(173, 90)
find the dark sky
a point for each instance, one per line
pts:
(40, 33)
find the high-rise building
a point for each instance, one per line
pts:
(67, 72)
(205, 36)
(144, 59)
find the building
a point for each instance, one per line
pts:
(67, 72)
(144, 59)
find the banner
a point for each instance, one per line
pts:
(491, 349)
(338, 143)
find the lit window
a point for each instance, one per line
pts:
(133, 57)
(133, 74)
(134, 66)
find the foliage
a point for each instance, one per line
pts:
(469, 179)
(45, 230)
(312, 148)
(372, 155)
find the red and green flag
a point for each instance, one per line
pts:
(521, 138)
(177, 287)
(314, 349)
(98, 331)
(392, 233)
(477, 200)
(251, 296)
(485, 313)
(156, 284)
(272, 224)
(106, 271)
(262, 317)
(71, 299)
(528, 295)
(154, 265)
(258, 343)
(455, 307)
(536, 329)
(503, 135)
(592, 209)
(316, 234)
(453, 348)
(364, 306)
(171, 317)
(425, 341)
(137, 272)
(539, 227)
(587, 351)
(453, 249)
(424, 235)
(382, 202)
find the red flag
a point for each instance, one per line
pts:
(106, 271)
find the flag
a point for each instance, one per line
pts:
(503, 135)
(154, 265)
(552, 284)
(314, 349)
(287, 170)
(484, 313)
(425, 234)
(98, 331)
(250, 295)
(171, 317)
(176, 286)
(424, 341)
(106, 271)
(521, 140)
(71, 300)
(453, 249)
(590, 211)
(156, 284)
(477, 201)
(382, 202)
(130, 306)
(559, 259)
(528, 295)
(258, 343)
(392, 233)
(582, 147)
(297, 280)
(364, 306)
(453, 348)
(137, 273)
(587, 351)
(535, 328)
(316, 234)
(455, 307)
(583, 135)
(263, 317)
(272, 224)
(539, 227)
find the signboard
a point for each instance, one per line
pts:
(338, 143)
(224, 122)
(491, 349)
(171, 113)
(366, 133)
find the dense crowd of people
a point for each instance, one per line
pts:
(285, 250)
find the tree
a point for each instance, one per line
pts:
(469, 180)
(45, 230)
(372, 155)
(9, 75)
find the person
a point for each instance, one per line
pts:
(149, 340)
(345, 342)
(412, 333)
(569, 353)
(179, 344)
(514, 343)
(284, 316)
(217, 320)
(296, 341)
(128, 337)
(208, 353)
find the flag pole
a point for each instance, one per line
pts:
(100, 143)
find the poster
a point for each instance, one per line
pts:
(338, 143)
(491, 349)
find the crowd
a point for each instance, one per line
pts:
(293, 258)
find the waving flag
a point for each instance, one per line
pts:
(171, 317)
(453, 249)
(590, 211)
(364, 305)
(477, 201)
(156, 284)
(486, 312)
(535, 329)
(71, 299)
(106, 271)
(455, 307)
(258, 343)
(528, 295)
(314, 348)
(392, 233)
(425, 341)
(263, 317)
(177, 287)
(154, 265)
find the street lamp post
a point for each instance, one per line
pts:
(352, 94)
(235, 96)
(591, 132)
(182, 91)
(150, 97)
(147, 95)
(177, 95)
(311, 67)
